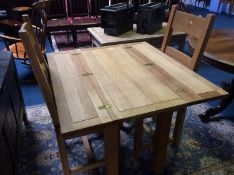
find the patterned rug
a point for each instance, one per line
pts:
(206, 148)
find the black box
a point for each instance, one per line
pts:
(150, 17)
(117, 19)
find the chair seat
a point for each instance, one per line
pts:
(59, 24)
(20, 49)
(86, 22)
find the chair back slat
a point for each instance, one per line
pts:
(96, 6)
(39, 66)
(39, 20)
(79, 8)
(179, 56)
(57, 9)
(195, 26)
(188, 23)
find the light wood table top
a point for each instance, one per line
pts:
(220, 49)
(102, 39)
(99, 86)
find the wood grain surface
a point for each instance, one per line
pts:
(99, 86)
(103, 39)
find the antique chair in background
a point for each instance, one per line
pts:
(196, 27)
(15, 9)
(230, 2)
(41, 72)
(58, 19)
(81, 16)
(95, 6)
(39, 20)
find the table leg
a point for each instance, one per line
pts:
(179, 126)
(229, 87)
(74, 37)
(112, 143)
(160, 141)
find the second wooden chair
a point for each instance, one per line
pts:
(194, 26)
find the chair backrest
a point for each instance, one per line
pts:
(39, 20)
(194, 26)
(57, 9)
(79, 8)
(96, 6)
(39, 66)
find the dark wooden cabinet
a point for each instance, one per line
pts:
(12, 113)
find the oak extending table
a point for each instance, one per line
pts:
(99, 38)
(99, 88)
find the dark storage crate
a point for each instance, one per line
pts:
(150, 17)
(117, 19)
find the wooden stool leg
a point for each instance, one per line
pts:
(178, 126)
(63, 153)
(160, 142)
(112, 144)
(138, 138)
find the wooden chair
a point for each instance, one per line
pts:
(96, 6)
(196, 27)
(81, 18)
(230, 2)
(39, 19)
(40, 69)
(59, 22)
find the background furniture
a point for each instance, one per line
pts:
(39, 20)
(81, 17)
(58, 21)
(9, 6)
(205, 3)
(229, 2)
(217, 7)
(12, 112)
(99, 38)
(219, 52)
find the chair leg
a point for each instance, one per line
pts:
(63, 153)
(178, 126)
(88, 148)
(49, 38)
(138, 137)
(68, 38)
(112, 144)
(74, 36)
